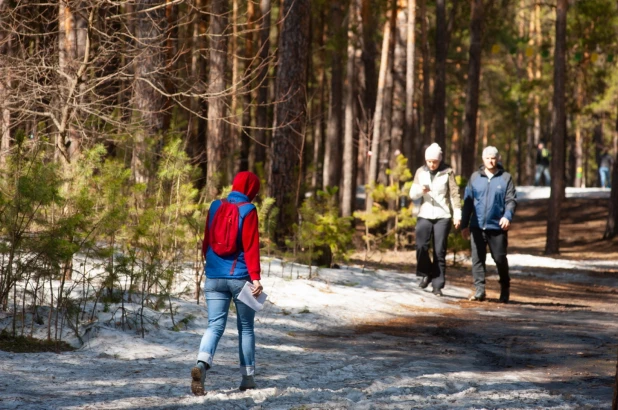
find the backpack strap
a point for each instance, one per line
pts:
(243, 210)
(214, 207)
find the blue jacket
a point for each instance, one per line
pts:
(218, 267)
(486, 201)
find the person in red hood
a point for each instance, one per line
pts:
(225, 278)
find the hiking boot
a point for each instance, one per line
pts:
(437, 292)
(247, 383)
(424, 282)
(477, 297)
(198, 374)
(504, 295)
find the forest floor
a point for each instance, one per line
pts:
(367, 337)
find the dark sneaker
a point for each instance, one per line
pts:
(477, 297)
(198, 375)
(247, 383)
(504, 295)
(424, 282)
(437, 292)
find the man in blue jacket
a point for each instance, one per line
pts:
(488, 209)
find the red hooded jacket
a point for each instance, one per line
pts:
(246, 183)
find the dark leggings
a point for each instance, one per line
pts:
(425, 230)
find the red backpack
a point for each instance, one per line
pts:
(226, 225)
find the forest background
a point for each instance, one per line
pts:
(122, 120)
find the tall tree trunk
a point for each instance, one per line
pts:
(427, 103)
(149, 103)
(171, 51)
(333, 143)
(439, 93)
(217, 143)
(597, 135)
(578, 143)
(290, 93)
(385, 151)
(552, 245)
(377, 118)
(468, 156)
(71, 45)
(5, 85)
(348, 194)
(399, 87)
(318, 103)
(369, 57)
(611, 228)
(368, 83)
(5, 129)
(261, 112)
(245, 137)
(5, 119)
(456, 144)
(196, 146)
(236, 133)
(410, 139)
(538, 38)
(579, 154)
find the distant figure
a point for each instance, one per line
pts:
(488, 209)
(232, 255)
(435, 183)
(542, 165)
(605, 163)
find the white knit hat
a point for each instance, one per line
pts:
(490, 152)
(433, 152)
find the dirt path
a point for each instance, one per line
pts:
(368, 338)
(560, 330)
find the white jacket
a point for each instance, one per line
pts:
(442, 201)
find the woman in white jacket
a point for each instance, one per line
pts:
(435, 183)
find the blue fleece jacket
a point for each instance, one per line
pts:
(223, 267)
(486, 201)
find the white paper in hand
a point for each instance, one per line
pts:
(246, 297)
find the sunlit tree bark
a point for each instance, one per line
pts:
(218, 145)
(552, 245)
(468, 156)
(290, 110)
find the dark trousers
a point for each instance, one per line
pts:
(425, 230)
(498, 241)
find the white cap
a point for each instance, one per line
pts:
(490, 152)
(433, 152)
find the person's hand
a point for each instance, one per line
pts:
(257, 288)
(457, 223)
(465, 232)
(426, 189)
(505, 224)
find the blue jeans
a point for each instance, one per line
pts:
(542, 170)
(219, 294)
(604, 172)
